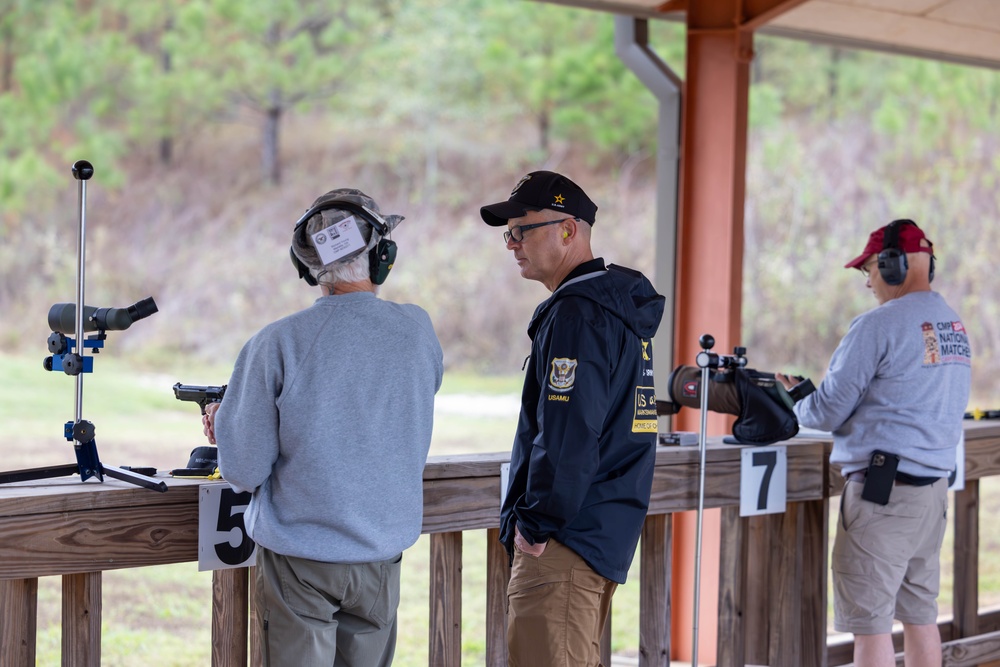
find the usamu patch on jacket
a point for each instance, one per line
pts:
(563, 374)
(644, 420)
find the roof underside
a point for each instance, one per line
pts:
(961, 31)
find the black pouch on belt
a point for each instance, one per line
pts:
(880, 477)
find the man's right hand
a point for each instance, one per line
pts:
(530, 549)
(786, 380)
(208, 421)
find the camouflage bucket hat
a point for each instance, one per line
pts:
(302, 243)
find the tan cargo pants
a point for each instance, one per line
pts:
(557, 608)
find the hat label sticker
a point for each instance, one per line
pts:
(338, 240)
(563, 374)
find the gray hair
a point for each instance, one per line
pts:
(353, 268)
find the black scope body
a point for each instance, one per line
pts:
(62, 316)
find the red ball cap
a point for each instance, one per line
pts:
(909, 240)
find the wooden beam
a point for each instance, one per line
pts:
(230, 617)
(445, 646)
(81, 620)
(966, 553)
(497, 577)
(654, 591)
(733, 589)
(18, 621)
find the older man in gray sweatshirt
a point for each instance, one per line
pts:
(327, 421)
(893, 397)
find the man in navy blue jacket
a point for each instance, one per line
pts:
(582, 459)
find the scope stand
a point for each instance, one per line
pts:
(88, 464)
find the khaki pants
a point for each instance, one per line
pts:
(557, 608)
(321, 614)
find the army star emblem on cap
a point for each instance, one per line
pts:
(560, 199)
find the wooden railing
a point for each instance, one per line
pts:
(772, 606)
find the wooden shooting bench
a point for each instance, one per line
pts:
(772, 604)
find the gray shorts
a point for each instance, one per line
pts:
(886, 559)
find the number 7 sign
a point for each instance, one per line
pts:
(763, 480)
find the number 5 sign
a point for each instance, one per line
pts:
(763, 480)
(222, 536)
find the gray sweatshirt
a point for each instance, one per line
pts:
(327, 419)
(899, 382)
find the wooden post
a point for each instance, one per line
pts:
(815, 543)
(756, 617)
(445, 645)
(654, 590)
(966, 568)
(787, 607)
(18, 624)
(81, 620)
(230, 616)
(497, 577)
(732, 588)
(256, 647)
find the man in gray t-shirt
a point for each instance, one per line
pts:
(893, 397)
(327, 421)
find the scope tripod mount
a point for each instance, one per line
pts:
(68, 355)
(707, 361)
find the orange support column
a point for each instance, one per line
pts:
(709, 264)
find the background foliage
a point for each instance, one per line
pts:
(213, 124)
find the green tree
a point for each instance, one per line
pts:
(274, 55)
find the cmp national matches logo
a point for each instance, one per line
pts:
(563, 374)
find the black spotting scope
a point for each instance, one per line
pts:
(62, 316)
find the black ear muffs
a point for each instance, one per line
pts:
(892, 264)
(380, 258)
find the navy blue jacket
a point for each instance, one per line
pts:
(581, 467)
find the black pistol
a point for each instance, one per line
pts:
(199, 394)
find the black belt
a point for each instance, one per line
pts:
(901, 478)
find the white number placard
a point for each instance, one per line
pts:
(763, 480)
(222, 536)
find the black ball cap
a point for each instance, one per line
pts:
(541, 190)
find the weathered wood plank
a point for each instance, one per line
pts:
(445, 645)
(966, 564)
(18, 621)
(786, 609)
(256, 641)
(81, 620)
(69, 494)
(814, 545)
(230, 617)
(102, 539)
(463, 503)
(730, 651)
(497, 577)
(972, 651)
(758, 588)
(655, 565)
